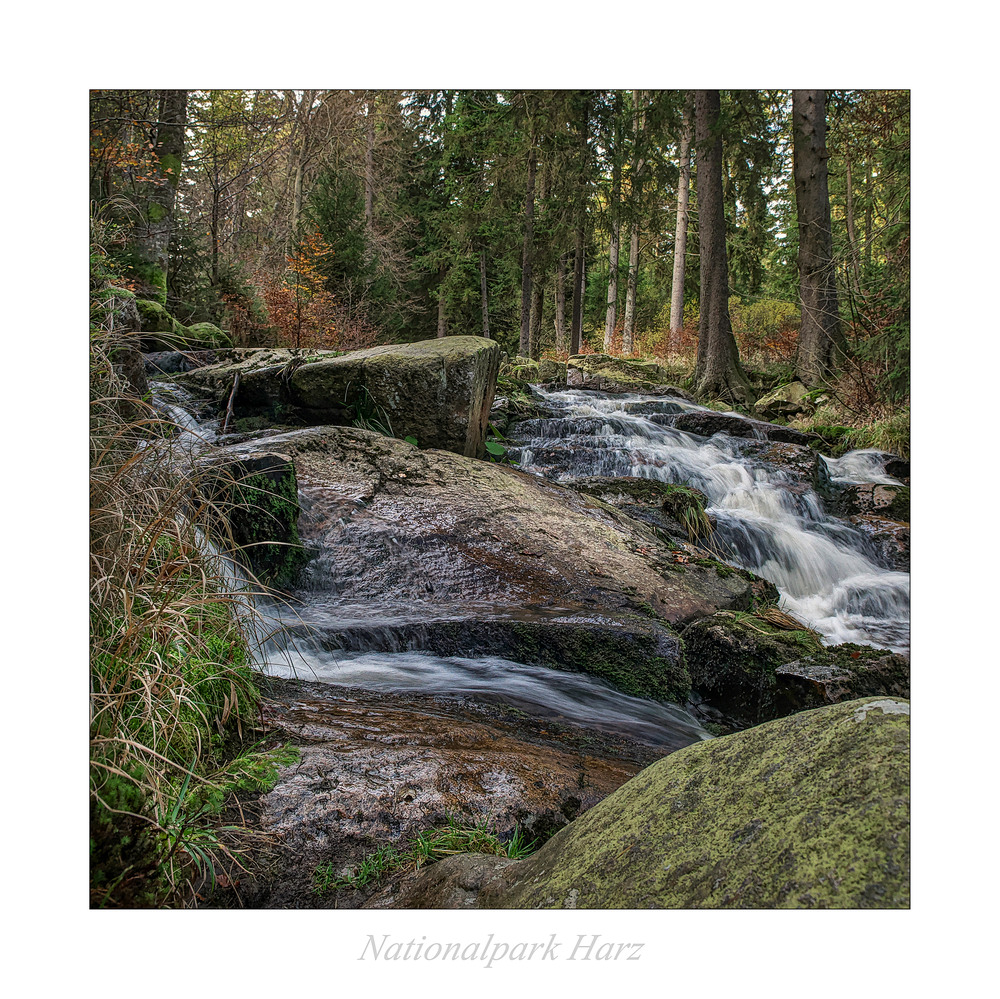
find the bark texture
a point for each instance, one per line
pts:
(576, 334)
(528, 251)
(152, 238)
(611, 316)
(680, 232)
(820, 338)
(718, 373)
(628, 324)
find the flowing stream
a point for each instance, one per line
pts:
(766, 521)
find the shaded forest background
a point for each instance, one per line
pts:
(545, 219)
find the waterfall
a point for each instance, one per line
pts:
(767, 519)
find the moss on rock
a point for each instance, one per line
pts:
(810, 811)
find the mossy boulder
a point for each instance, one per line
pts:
(154, 318)
(785, 402)
(437, 391)
(256, 493)
(551, 371)
(810, 811)
(604, 372)
(205, 336)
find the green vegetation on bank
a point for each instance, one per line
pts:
(172, 697)
(425, 848)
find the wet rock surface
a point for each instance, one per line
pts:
(377, 768)
(890, 539)
(842, 673)
(886, 501)
(554, 577)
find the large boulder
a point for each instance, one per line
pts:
(785, 402)
(437, 391)
(810, 811)
(487, 559)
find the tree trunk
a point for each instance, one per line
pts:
(537, 301)
(718, 373)
(628, 330)
(576, 334)
(528, 250)
(442, 324)
(635, 197)
(483, 295)
(152, 239)
(851, 236)
(560, 322)
(820, 339)
(611, 317)
(868, 214)
(680, 233)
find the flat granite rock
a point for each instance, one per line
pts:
(477, 558)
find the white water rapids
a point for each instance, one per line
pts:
(822, 567)
(818, 563)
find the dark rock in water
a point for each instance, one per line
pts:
(565, 575)
(890, 539)
(376, 769)
(785, 435)
(883, 500)
(842, 673)
(652, 408)
(732, 659)
(256, 492)
(747, 670)
(169, 362)
(898, 468)
(810, 811)
(706, 424)
(803, 464)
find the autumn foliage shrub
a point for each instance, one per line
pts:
(766, 330)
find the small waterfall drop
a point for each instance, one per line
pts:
(766, 519)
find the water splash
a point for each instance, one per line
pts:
(825, 570)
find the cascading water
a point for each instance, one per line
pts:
(291, 644)
(767, 519)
